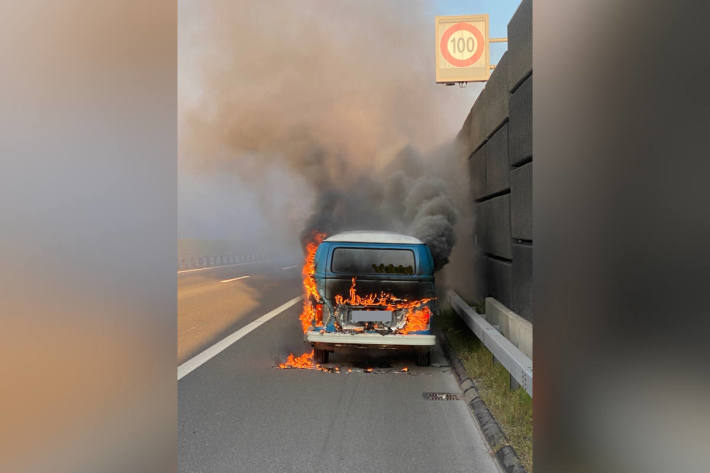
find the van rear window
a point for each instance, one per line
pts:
(372, 261)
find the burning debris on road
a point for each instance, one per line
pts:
(305, 362)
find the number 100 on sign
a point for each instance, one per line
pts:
(462, 46)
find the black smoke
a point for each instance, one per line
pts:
(404, 198)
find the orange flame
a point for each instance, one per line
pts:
(304, 361)
(417, 318)
(308, 314)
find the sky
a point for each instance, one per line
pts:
(223, 205)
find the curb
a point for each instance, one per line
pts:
(505, 454)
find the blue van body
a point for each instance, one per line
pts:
(371, 263)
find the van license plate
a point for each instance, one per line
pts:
(371, 316)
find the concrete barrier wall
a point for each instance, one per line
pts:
(496, 141)
(516, 329)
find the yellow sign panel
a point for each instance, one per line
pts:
(462, 48)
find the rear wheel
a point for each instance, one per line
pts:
(320, 356)
(424, 358)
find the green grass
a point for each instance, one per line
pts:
(512, 409)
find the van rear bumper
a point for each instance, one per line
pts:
(370, 339)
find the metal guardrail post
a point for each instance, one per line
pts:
(514, 360)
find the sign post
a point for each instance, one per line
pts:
(462, 53)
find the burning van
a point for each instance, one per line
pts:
(370, 289)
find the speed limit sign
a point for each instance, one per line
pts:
(462, 48)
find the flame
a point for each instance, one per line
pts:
(416, 319)
(310, 293)
(309, 283)
(304, 361)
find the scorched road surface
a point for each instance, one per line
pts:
(238, 412)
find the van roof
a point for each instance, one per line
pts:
(373, 237)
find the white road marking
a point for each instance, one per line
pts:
(289, 267)
(234, 279)
(216, 267)
(203, 357)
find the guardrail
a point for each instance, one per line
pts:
(191, 262)
(518, 364)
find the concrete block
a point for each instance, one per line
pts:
(522, 281)
(469, 395)
(520, 44)
(513, 327)
(497, 161)
(477, 168)
(458, 369)
(497, 94)
(462, 137)
(480, 224)
(473, 277)
(499, 276)
(493, 226)
(489, 426)
(477, 124)
(509, 461)
(520, 132)
(521, 202)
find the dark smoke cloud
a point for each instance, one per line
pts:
(341, 94)
(409, 200)
(437, 232)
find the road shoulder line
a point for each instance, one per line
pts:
(209, 353)
(236, 279)
(207, 268)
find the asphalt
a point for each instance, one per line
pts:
(209, 309)
(239, 412)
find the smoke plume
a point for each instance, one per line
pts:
(341, 95)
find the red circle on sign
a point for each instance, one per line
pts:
(445, 41)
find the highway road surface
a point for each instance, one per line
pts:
(239, 412)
